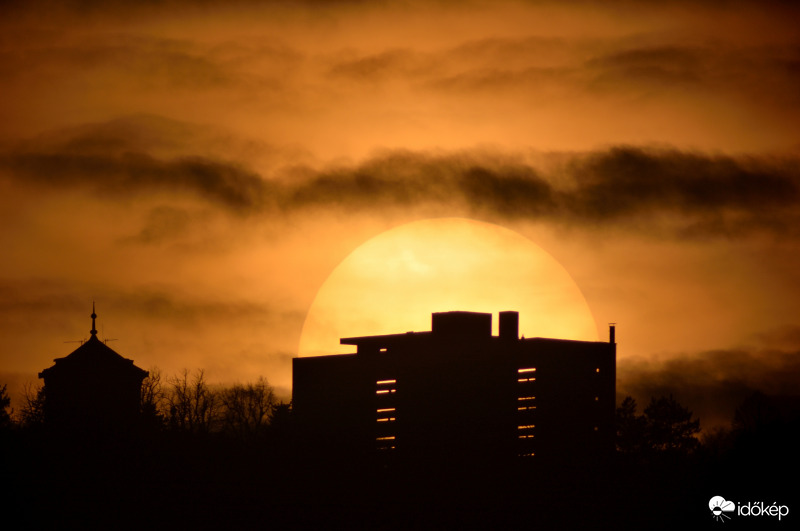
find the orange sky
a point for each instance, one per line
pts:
(199, 171)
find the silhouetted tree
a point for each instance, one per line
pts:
(247, 408)
(5, 409)
(755, 413)
(665, 427)
(33, 406)
(153, 400)
(717, 442)
(631, 428)
(193, 405)
(670, 426)
(281, 417)
(769, 426)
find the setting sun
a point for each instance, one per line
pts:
(393, 282)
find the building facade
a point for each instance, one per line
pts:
(459, 393)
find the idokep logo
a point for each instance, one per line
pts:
(719, 506)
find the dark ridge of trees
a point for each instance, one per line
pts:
(5, 409)
(33, 406)
(184, 403)
(665, 427)
(210, 457)
(187, 403)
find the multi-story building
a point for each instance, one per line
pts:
(457, 392)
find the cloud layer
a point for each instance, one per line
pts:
(203, 167)
(683, 193)
(714, 383)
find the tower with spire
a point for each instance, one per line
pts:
(93, 387)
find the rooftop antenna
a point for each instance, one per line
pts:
(106, 340)
(93, 331)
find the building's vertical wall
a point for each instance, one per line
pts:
(331, 403)
(573, 395)
(447, 397)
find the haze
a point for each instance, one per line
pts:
(200, 171)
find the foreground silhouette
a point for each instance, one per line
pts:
(459, 397)
(93, 389)
(198, 457)
(167, 477)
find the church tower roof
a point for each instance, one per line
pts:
(93, 355)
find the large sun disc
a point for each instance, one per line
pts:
(395, 281)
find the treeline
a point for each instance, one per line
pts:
(197, 455)
(183, 402)
(210, 457)
(763, 424)
(186, 402)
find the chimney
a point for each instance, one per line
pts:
(509, 326)
(612, 333)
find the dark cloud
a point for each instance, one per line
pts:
(713, 383)
(655, 66)
(139, 61)
(43, 297)
(650, 189)
(230, 185)
(36, 305)
(545, 69)
(478, 66)
(699, 194)
(138, 133)
(732, 72)
(712, 194)
(165, 223)
(377, 67)
(491, 79)
(184, 310)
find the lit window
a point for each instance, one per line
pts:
(385, 410)
(597, 369)
(526, 427)
(521, 398)
(596, 428)
(385, 391)
(388, 438)
(526, 455)
(387, 419)
(526, 436)
(529, 369)
(385, 382)
(523, 380)
(526, 408)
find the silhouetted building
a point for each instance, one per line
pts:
(457, 392)
(93, 388)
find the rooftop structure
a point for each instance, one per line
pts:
(457, 392)
(92, 387)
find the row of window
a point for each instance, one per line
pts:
(526, 406)
(386, 415)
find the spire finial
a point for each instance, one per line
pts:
(93, 316)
